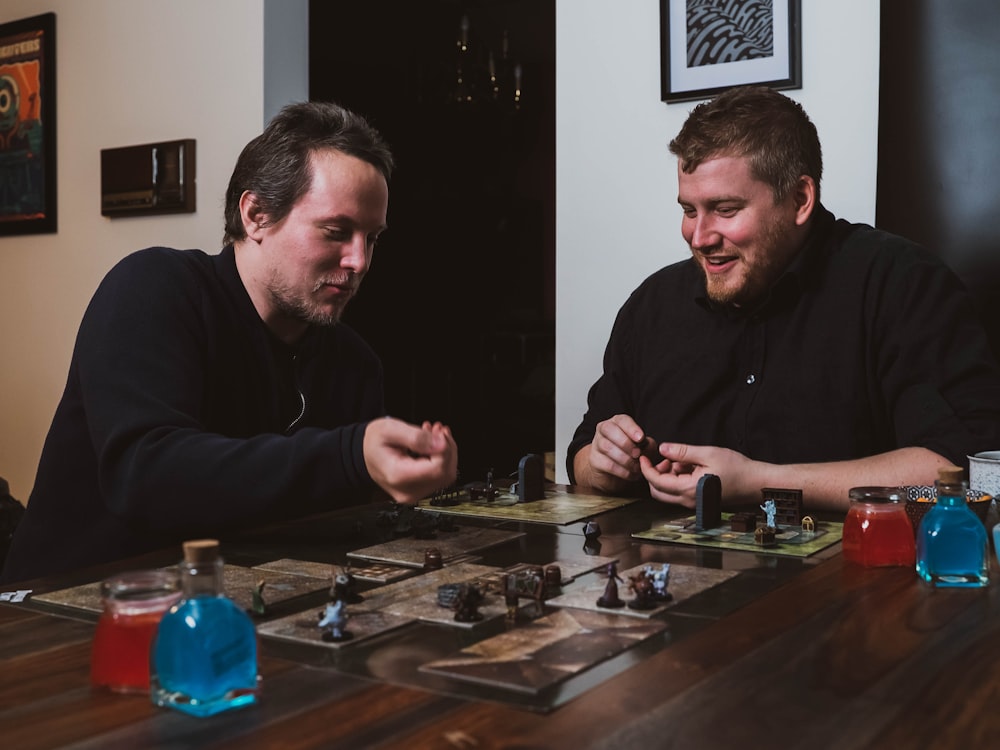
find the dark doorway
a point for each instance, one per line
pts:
(459, 303)
(939, 116)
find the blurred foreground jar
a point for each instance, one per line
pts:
(952, 546)
(877, 531)
(204, 657)
(132, 605)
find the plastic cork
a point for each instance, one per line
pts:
(201, 551)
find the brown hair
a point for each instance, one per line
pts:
(275, 166)
(771, 130)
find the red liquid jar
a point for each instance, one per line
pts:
(877, 531)
(133, 605)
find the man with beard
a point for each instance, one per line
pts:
(793, 349)
(209, 392)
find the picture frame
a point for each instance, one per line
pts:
(707, 47)
(28, 126)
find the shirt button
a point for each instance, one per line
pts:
(751, 379)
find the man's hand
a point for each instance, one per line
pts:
(611, 462)
(674, 479)
(410, 462)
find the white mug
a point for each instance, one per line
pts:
(984, 472)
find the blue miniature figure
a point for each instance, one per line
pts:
(770, 510)
(334, 619)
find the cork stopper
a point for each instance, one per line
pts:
(200, 551)
(951, 475)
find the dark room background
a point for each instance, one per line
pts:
(939, 137)
(459, 303)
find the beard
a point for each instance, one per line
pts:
(295, 305)
(773, 253)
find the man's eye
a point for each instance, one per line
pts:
(340, 235)
(726, 210)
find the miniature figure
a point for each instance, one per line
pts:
(481, 491)
(467, 603)
(769, 509)
(333, 620)
(660, 579)
(788, 505)
(345, 587)
(433, 559)
(609, 599)
(642, 586)
(257, 604)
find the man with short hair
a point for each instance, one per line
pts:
(792, 349)
(207, 393)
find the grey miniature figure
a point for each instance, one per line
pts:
(660, 579)
(770, 510)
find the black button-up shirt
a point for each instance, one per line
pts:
(867, 343)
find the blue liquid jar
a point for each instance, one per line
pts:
(952, 546)
(204, 658)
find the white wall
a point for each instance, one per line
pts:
(128, 72)
(617, 218)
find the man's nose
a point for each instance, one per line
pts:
(703, 233)
(356, 254)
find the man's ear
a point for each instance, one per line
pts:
(804, 196)
(253, 217)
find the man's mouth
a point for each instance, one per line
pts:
(719, 263)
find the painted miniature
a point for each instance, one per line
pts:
(770, 509)
(660, 579)
(610, 599)
(258, 606)
(333, 621)
(345, 587)
(467, 603)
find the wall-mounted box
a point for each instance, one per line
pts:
(153, 178)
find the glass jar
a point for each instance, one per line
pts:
(877, 531)
(132, 605)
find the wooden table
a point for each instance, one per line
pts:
(809, 653)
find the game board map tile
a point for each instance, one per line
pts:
(790, 541)
(370, 572)
(240, 583)
(545, 651)
(557, 507)
(685, 581)
(409, 552)
(303, 627)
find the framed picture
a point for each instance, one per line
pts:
(707, 46)
(28, 126)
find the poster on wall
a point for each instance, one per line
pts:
(27, 126)
(707, 46)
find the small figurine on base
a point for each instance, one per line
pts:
(610, 599)
(660, 579)
(770, 510)
(467, 603)
(334, 620)
(642, 586)
(258, 606)
(345, 587)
